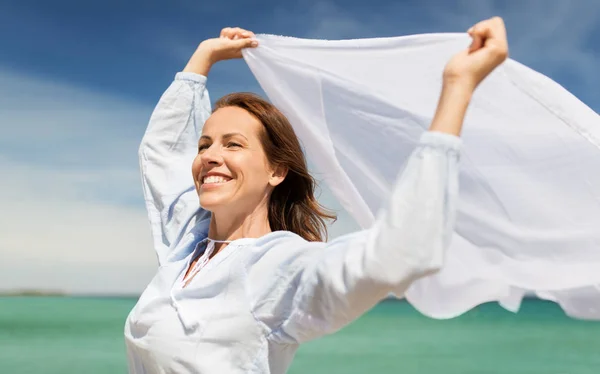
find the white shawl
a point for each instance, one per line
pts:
(529, 210)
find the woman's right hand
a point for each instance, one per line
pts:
(228, 46)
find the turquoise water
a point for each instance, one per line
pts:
(85, 335)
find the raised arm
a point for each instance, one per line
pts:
(331, 285)
(171, 142)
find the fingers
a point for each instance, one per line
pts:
(240, 38)
(476, 44)
(492, 28)
(235, 33)
(245, 43)
(491, 35)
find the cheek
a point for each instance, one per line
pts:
(196, 167)
(259, 172)
(246, 168)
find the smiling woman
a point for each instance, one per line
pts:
(245, 276)
(249, 142)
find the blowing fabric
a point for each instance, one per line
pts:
(529, 211)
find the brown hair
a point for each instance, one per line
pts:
(292, 206)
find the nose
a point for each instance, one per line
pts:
(212, 156)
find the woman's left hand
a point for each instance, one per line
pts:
(488, 50)
(466, 70)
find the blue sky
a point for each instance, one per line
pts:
(79, 79)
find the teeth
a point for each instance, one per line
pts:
(215, 179)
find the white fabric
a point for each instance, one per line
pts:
(529, 211)
(249, 307)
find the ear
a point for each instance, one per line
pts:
(278, 175)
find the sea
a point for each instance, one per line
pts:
(60, 335)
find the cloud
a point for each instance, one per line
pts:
(75, 246)
(86, 139)
(73, 218)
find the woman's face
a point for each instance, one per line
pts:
(231, 171)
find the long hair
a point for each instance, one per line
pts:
(292, 205)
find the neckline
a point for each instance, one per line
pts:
(217, 258)
(219, 241)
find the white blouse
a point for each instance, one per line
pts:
(254, 302)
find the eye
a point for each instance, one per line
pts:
(203, 147)
(233, 145)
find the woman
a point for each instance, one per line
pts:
(246, 278)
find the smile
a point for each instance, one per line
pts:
(214, 181)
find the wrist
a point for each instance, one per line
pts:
(452, 107)
(459, 85)
(458, 91)
(201, 61)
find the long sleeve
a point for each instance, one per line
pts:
(166, 154)
(332, 284)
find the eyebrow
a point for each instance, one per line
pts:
(226, 136)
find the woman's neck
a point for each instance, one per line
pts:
(227, 226)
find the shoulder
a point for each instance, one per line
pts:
(284, 247)
(277, 256)
(281, 247)
(273, 264)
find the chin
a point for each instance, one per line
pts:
(212, 203)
